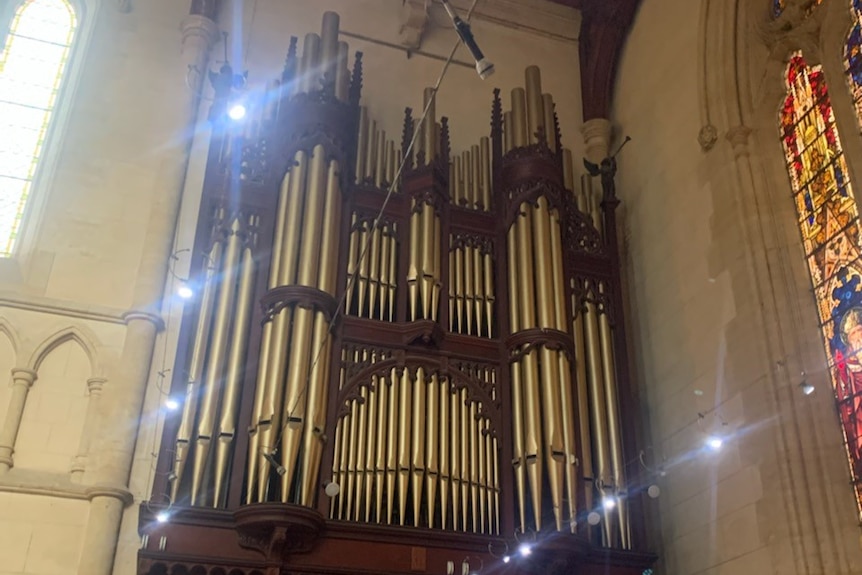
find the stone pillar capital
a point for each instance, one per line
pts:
(152, 318)
(597, 139)
(23, 376)
(95, 384)
(738, 136)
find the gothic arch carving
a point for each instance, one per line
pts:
(80, 335)
(8, 329)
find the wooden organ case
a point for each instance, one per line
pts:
(396, 383)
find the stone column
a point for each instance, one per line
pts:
(94, 387)
(597, 139)
(22, 380)
(112, 454)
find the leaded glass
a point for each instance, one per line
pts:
(31, 69)
(829, 222)
(853, 58)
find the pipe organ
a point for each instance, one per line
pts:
(441, 341)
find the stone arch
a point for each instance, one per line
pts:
(80, 335)
(9, 331)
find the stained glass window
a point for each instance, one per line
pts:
(779, 5)
(853, 58)
(31, 69)
(829, 220)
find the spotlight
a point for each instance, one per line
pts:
(525, 550)
(236, 112)
(653, 491)
(162, 517)
(172, 404)
(185, 292)
(609, 502)
(806, 387)
(714, 442)
(594, 518)
(506, 558)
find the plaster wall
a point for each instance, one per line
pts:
(723, 321)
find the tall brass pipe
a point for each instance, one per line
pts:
(216, 361)
(385, 272)
(457, 181)
(352, 256)
(469, 291)
(429, 132)
(196, 365)
(467, 163)
(485, 162)
(392, 432)
(393, 270)
(362, 145)
(432, 447)
(405, 421)
(414, 271)
(488, 264)
(519, 118)
(435, 266)
(459, 288)
(445, 438)
(235, 370)
(294, 408)
(360, 452)
(380, 164)
(427, 278)
(371, 151)
(452, 294)
(496, 468)
(418, 456)
(391, 162)
(568, 170)
(309, 66)
(335, 504)
(473, 462)
(476, 166)
(614, 424)
(370, 448)
(518, 451)
(481, 289)
(535, 108)
(354, 440)
(598, 404)
(382, 392)
(362, 281)
(550, 125)
(329, 46)
(481, 482)
(374, 270)
(455, 448)
(342, 445)
(583, 398)
(270, 412)
(342, 73)
(466, 452)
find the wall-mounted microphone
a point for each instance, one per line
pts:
(483, 66)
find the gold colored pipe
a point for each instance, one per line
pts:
(371, 153)
(385, 272)
(235, 370)
(456, 447)
(535, 109)
(475, 441)
(428, 278)
(569, 439)
(445, 439)
(432, 447)
(363, 268)
(583, 399)
(495, 459)
(391, 162)
(457, 181)
(329, 45)
(476, 166)
(509, 132)
(459, 288)
(380, 164)
(418, 458)
(428, 130)
(568, 170)
(519, 118)
(336, 502)
(216, 360)
(533, 425)
(362, 145)
(598, 405)
(315, 420)
(489, 477)
(309, 66)
(485, 162)
(382, 388)
(355, 440)
(393, 270)
(550, 125)
(392, 443)
(360, 452)
(414, 272)
(488, 263)
(614, 424)
(374, 270)
(342, 450)
(199, 351)
(352, 256)
(370, 448)
(518, 434)
(435, 265)
(481, 484)
(405, 421)
(330, 233)
(467, 163)
(342, 74)
(469, 291)
(479, 301)
(278, 232)
(467, 449)
(452, 294)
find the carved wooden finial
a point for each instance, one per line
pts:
(356, 81)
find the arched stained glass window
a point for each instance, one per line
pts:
(853, 58)
(31, 70)
(779, 5)
(829, 221)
